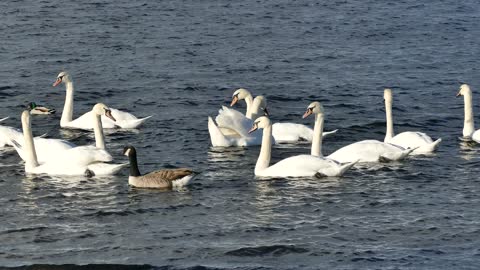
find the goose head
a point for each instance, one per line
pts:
(102, 109)
(464, 90)
(260, 122)
(239, 94)
(261, 101)
(314, 108)
(129, 151)
(387, 94)
(62, 77)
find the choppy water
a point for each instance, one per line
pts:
(181, 60)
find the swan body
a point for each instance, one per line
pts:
(296, 166)
(124, 119)
(469, 123)
(167, 178)
(232, 129)
(370, 151)
(73, 161)
(282, 132)
(422, 143)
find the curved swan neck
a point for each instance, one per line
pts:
(265, 155)
(98, 131)
(388, 111)
(249, 101)
(468, 124)
(317, 136)
(133, 164)
(31, 158)
(67, 114)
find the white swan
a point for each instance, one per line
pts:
(166, 178)
(469, 123)
(422, 143)
(66, 154)
(64, 164)
(233, 130)
(124, 119)
(282, 132)
(296, 166)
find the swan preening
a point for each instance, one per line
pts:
(231, 128)
(166, 178)
(422, 143)
(124, 119)
(63, 158)
(468, 124)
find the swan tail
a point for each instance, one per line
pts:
(216, 136)
(3, 119)
(429, 148)
(345, 167)
(328, 133)
(105, 168)
(132, 123)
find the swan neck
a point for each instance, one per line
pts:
(468, 124)
(317, 136)
(98, 131)
(265, 150)
(249, 101)
(31, 157)
(67, 113)
(133, 164)
(388, 111)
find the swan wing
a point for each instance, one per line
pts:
(298, 166)
(418, 140)
(234, 120)
(368, 151)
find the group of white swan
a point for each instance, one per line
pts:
(61, 157)
(232, 129)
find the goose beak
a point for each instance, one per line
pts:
(307, 113)
(57, 82)
(266, 111)
(234, 100)
(108, 113)
(254, 127)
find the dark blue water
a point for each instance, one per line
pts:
(182, 60)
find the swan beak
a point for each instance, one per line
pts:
(253, 128)
(307, 113)
(108, 113)
(458, 94)
(266, 111)
(234, 101)
(57, 82)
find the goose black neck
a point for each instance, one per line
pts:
(133, 164)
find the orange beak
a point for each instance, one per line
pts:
(458, 94)
(307, 113)
(253, 129)
(234, 100)
(57, 82)
(108, 114)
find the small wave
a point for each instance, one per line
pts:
(275, 250)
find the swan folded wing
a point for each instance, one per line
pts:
(81, 156)
(234, 120)
(298, 166)
(411, 139)
(291, 132)
(100, 168)
(85, 122)
(9, 133)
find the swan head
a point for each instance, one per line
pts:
(464, 90)
(102, 109)
(261, 102)
(239, 94)
(387, 94)
(62, 77)
(129, 151)
(260, 122)
(314, 108)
